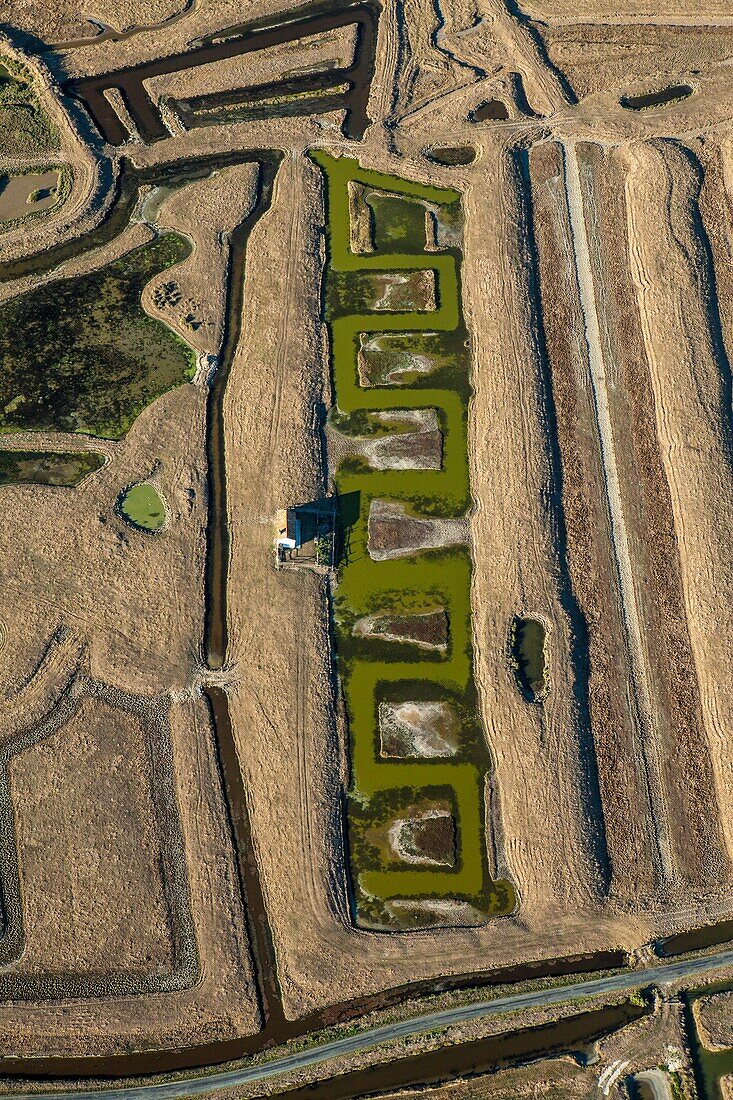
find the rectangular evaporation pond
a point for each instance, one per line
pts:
(424, 581)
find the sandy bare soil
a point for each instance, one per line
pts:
(205, 211)
(84, 790)
(597, 290)
(714, 1017)
(132, 614)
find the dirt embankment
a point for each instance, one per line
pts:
(632, 848)
(685, 771)
(714, 1018)
(673, 278)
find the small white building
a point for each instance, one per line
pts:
(288, 532)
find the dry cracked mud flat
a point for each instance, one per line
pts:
(366, 469)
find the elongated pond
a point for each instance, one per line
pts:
(424, 653)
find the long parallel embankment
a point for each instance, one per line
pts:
(674, 283)
(592, 568)
(684, 754)
(644, 718)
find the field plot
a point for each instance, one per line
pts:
(365, 452)
(413, 593)
(92, 359)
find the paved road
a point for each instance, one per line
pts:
(664, 973)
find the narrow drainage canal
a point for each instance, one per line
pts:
(313, 19)
(571, 1035)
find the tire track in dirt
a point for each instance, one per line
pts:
(293, 254)
(692, 414)
(519, 38)
(646, 725)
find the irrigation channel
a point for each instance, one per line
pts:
(277, 1029)
(251, 37)
(534, 1043)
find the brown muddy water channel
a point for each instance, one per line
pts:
(572, 1035)
(697, 939)
(277, 1029)
(247, 38)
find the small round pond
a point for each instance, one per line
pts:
(142, 507)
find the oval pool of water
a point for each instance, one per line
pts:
(528, 657)
(451, 156)
(141, 507)
(673, 94)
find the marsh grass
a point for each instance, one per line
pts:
(81, 355)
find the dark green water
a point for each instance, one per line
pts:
(528, 655)
(47, 468)
(371, 671)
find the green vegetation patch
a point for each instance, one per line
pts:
(81, 355)
(425, 353)
(142, 507)
(399, 224)
(24, 126)
(47, 468)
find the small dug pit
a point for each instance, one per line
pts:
(452, 156)
(675, 93)
(528, 638)
(492, 110)
(428, 838)
(394, 533)
(426, 630)
(422, 730)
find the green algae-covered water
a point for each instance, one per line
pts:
(372, 671)
(142, 507)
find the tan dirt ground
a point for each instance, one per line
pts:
(691, 416)
(136, 604)
(143, 637)
(714, 1019)
(85, 790)
(203, 211)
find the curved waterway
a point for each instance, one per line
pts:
(409, 585)
(109, 34)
